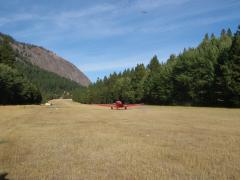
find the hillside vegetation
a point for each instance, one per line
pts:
(14, 87)
(208, 75)
(51, 85)
(23, 83)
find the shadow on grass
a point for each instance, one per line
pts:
(3, 142)
(3, 176)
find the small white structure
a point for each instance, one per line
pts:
(48, 104)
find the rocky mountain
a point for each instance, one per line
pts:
(50, 61)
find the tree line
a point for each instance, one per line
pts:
(14, 87)
(208, 75)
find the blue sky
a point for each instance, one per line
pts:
(100, 37)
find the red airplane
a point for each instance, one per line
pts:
(119, 105)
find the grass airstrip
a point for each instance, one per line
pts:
(73, 141)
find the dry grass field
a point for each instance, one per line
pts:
(74, 141)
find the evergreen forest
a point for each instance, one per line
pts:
(208, 75)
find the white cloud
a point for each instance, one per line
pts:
(153, 4)
(16, 18)
(95, 10)
(106, 20)
(101, 19)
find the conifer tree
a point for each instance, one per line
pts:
(229, 32)
(234, 66)
(7, 55)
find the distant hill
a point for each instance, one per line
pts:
(51, 85)
(23, 71)
(49, 61)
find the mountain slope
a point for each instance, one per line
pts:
(49, 61)
(51, 85)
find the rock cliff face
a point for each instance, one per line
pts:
(49, 61)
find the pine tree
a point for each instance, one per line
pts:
(220, 81)
(206, 37)
(229, 32)
(7, 55)
(154, 64)
(234, 66)
(213, 37)
(223, 32)
(137, 82)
